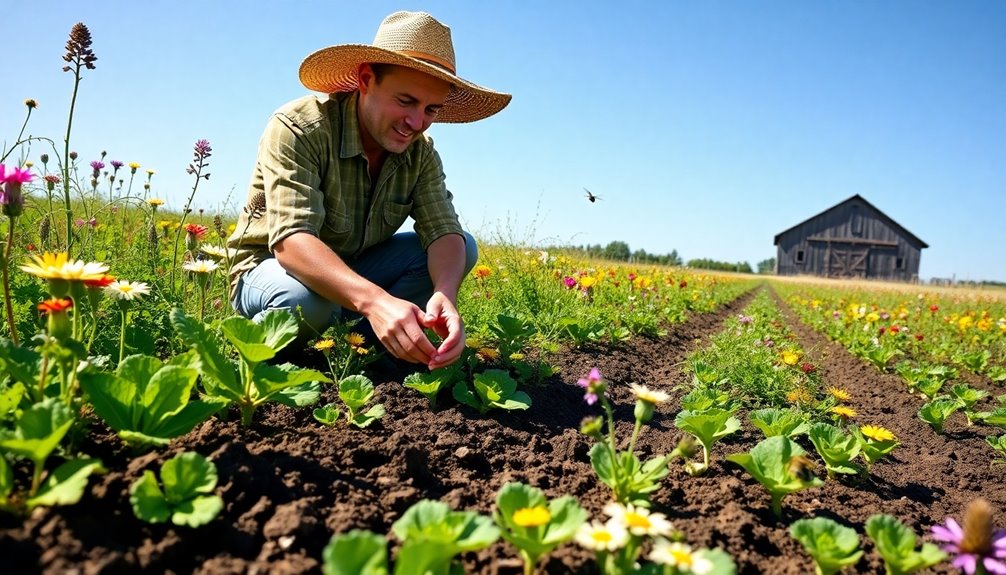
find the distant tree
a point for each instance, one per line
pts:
(640, 256)
(708, 264)
(673, 259)
(766, 267)
(617, 251)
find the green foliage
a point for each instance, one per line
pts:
(631, 480)
(998, 443)
(356, 553)
(708, 427)
(774, 421)
(187, 498)
(252, 382)
(146, 401)
(872, 449)
(431, 383)
(534, 540)
(326, 415)
(66, 484)
(432, 534)
(356, 391)
(936, 412)
(833, 546)
(837, 448)
(779, 465)
(896, 544)
(494, 388)
(38, 432)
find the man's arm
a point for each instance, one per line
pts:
(446, 261)
(396, 322)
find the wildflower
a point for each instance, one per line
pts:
(790, 357)
(256, 206)
(483, 271)
(844, 412)
(73, 155)
(78, 48)
(976, 545)
(587, 282)
(652, 396)
(594, 385)
(744, 319)
(31, 103)
(808, 368)
(354, 339)
(201, 266)
(839, 394)
(97, 165)
(51, 266)
(799, 395)
(116, 164)
(877, 433)
(155, 202)
(487, 354)
(101, 282)
(196, 230)
(516, 356)
(55, 305)
(122, 290)
(10, 190)
(934, 308)
(679, 556)
(532, 516)
(150, 174)
(639, 520)
(133, 166)
(361, 350)
(57, 320)
(324, 344)
(215, 252)
(570, 282)
(596, 536)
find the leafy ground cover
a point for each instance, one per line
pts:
(288, 483)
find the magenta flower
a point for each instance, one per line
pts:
(10, 190)
(116, 164)
(97, 165)
(570, 282)
(594, 384)
(744, 319)
(976, 547)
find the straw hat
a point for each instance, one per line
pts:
(412, 39)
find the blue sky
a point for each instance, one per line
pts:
(706, 127)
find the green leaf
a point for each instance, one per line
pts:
(896, 544)
(301, 395)
(774, 421)
(187, 475)
(326, 415)
(10, 399)
(355, 391)
(21, 363)
(65, 485)
(148, 501)
(430, 383)
(6, 480)
(433, 522)
(707, 426)
(465, 396)
(565, 517)
(197, 511)
(832, 546)
(248, 338)
(211, 361)
(356, 553)
(370, 416)
(269, 380)
(773, 463)
(39, 430)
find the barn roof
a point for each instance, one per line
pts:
(901, 229)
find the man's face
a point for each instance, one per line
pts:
(394, 112)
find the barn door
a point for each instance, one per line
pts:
(848, 261)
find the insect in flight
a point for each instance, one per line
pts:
(593, 198)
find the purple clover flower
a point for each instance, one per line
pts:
(594, 384)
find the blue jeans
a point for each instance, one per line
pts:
(398, 265)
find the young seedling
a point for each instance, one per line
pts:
(432, 535)
(431, 383)
(356, 553)
(896, 544)
(187, 498)
(780, 465)
(774, 421)
(708, 427)
(704, 397)
(148, 402)
(251, 382)
(967, 397)
(833, 546)
(494, 388)
(998, 443)
(875, 442)
(837, 448)
(534, 525)
(356, 391)
(936, 412)
(326, 415)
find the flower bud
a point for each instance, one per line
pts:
(31, 103)
(44, 158)
(73, 155)
(643, 411)
(591, 427)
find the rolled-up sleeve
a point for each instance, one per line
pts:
(433, 208)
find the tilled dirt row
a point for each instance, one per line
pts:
(288, 482)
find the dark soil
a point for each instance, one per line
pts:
(289, 483)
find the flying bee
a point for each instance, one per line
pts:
(802, 468)
(593, 198)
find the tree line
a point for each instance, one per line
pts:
(620, 251)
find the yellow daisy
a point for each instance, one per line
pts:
(58, 266)
(324, 344)
(839, 394)
(844, 412)
(877, 433)
(354, 339)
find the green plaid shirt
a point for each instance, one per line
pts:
(312, 171)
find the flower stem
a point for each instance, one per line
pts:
(122, 335)
(66, 164)
(6, 281)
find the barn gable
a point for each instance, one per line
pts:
(851, 239)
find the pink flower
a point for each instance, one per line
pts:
(10, 190)
(594, 384)
(972, 548)
(570, 282)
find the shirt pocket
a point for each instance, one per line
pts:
(395, 214)
(338, 220)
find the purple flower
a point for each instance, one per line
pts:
(78, 222)
(744, 319)
(594, 384)
(570, 282)
(97, 165)
(116, 164)
(975, 543)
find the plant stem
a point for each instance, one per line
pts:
(122, 335)
(6, 281)
(66, 164)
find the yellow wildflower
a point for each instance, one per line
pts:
(839, 394)
(155, 202)
(532, 516)
(482, 271)
(488, 354)
(844, 412)
(324, 344)
(799, 395)
(58, 266)
(361, 350)
(790, 357)
(354, 339)
(872, 317)
(877, 433)
(587, 282)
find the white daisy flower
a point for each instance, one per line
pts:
(639, 520)
(679, 556)
(648, 395)
(596, 536)
(126, 290)
(200, 266)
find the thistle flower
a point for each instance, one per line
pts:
(116, 164)
(97, 166)
(10, 190)
(596, 536)
(976, 545)
(201, 152)
(78, 48)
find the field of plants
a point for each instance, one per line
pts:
(604, 418)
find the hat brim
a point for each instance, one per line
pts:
(333, 69)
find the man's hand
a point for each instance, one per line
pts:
(442, 317)
(399, 325)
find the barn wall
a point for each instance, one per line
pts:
(859, 222)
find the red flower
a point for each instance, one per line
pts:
(683, 284)
(30, 247)
(56, 304)
(881, 331)
(919, 337)
(807, 368)
(934, 308)
(196, 230)
(104, 281)
(895, 329)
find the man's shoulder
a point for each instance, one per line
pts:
(308, 112)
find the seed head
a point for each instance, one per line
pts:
(978, 528)
(31, 103)
(44, 158)
(44, 228)
(256, 206)
(73, 155)
(78, 48)
(218, 226)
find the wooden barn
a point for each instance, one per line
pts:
(852, 239)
